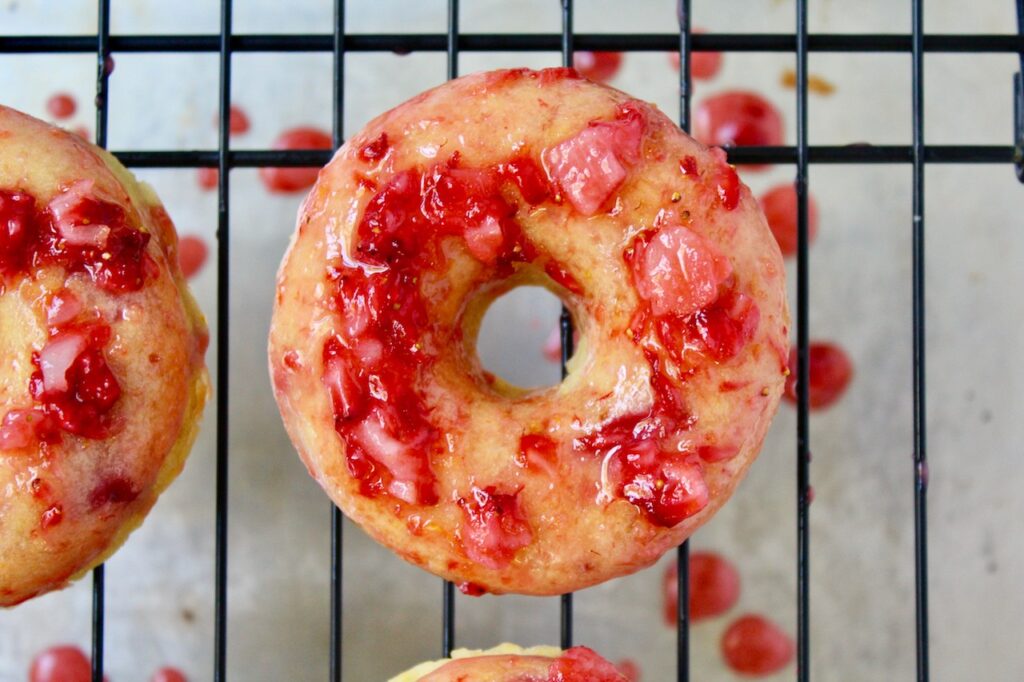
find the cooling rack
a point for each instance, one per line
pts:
(800, 43)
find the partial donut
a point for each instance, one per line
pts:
(674, 282)
(102, 382)
(510, 663)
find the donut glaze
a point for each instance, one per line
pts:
(102, 379)
(674, 282)
(510, 663)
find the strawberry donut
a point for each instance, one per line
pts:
(674, 281)
(510, 663)
(102, 381)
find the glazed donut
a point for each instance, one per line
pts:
(674, 282)
(510, 663)
(102, 382)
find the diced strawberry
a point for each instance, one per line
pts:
(597, 66)
(347, 392)
(727, 325)
(831, 371)
(538, 452)
(580, 664)
(753, 645)
(56, 358)
(528, 177)
(17, 230)
(61, 308)
(717, 453)
(727, 182)
(18, 429)
(375, 149)
(485, 240)
(590, 166)
(412, 481)
(677, 271)
(493, 529)
(780, 209)
(714, 587)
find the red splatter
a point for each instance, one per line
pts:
(703, 65)
(208, 178)
(61, 106)
(831, 371)
(168, 674)
(753, 645)
(192, 253)
(629, 669)
(714, 587)
(288, 180)
(780, 209)
(738, 119)
(597, 66)
(238, 120)
(63, 663)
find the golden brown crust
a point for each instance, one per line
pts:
(580, 537)
(156, 353)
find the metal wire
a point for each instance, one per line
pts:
(800, 43)
(918, 335)
(103, 69)
(520, 42)
(223, 346)
(683, 552)
(803, 435)
(337, 519)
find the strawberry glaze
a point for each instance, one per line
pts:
(580, 664)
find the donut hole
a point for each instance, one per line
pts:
(515, 338)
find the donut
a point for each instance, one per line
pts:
(674, 281)
(102, 382)
(511, 663)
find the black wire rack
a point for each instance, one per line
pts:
(453, 42)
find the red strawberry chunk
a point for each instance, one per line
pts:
(411, 478)
(580, 664)
(590, 166)
(677, 271)
(493, 529)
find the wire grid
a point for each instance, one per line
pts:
(339, 43)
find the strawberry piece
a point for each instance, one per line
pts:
(580, 664)
(590, 166)
(411, 478)
(18, 231)
(528, 177)
(831, 371)
(538, 452)
(597, 66)
(780, 209)
(375, 149)
(753, 645)
(677, 271)
(714, 586)
(289, 180)
(493, 529)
